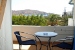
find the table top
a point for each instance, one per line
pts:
(46, 34)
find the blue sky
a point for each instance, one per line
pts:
(49, 6)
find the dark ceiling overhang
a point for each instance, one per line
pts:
(71, 2)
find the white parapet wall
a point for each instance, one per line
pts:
(62, 31)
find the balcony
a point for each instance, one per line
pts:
(30, 47)
(62, 31)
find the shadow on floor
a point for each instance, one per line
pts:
(32, 47)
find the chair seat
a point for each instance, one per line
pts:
(63, 45)
(28, 42)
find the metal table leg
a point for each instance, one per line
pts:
(48, 45)
(49, 42)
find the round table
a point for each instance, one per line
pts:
(45, 35)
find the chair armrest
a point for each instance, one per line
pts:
(69, 36)
(28, 34)
(61, 39)
(23, 36)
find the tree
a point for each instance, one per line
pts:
(53, 18)
(29, 20)
(65, 19)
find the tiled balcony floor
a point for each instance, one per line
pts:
(31, 47)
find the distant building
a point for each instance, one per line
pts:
(70, 21)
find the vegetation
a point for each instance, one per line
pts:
(40, 20)
(29, 20)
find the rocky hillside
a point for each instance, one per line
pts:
(28, 12)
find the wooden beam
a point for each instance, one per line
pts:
(2, 9)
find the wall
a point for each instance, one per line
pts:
(62, 31)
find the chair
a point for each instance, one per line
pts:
(64, 45)
(27, 42)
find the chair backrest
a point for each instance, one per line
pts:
(18, 37)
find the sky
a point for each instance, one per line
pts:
(49, 6)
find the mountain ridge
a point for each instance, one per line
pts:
(29, 12)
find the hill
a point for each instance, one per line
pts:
(29, 12)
